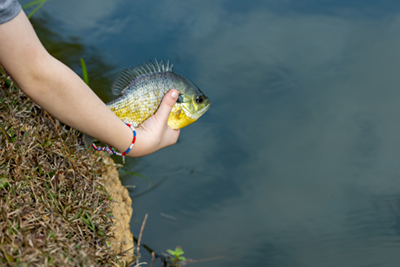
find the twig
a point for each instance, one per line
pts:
(140, 238)
(153, 257)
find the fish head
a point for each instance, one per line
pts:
(191, 104)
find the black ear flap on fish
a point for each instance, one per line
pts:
(180, 99)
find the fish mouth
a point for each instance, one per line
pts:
(199, 112)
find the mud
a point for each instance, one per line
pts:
(121, 207)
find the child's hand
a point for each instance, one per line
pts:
(154, 133)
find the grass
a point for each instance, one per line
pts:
(37, 3)
(85, 75)
(53, 209)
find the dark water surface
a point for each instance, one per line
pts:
(297, 161)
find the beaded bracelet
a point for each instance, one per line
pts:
(111, 151)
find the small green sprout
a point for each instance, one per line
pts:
(177, 254)
(4, 183)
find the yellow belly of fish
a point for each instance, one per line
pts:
(177, 118)
(127, 116)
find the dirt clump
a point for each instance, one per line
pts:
(121, 207)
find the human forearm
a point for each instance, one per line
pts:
(56, 88)
(64, 95)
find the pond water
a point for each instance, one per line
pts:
(297, 161)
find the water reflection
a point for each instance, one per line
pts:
(70, 48)
(311, 107)
(296, 163)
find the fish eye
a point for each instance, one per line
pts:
(199, 99)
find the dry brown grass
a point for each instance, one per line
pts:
(53, 209)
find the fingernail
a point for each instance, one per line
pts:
(174, 94)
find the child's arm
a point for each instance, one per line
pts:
(61, 92)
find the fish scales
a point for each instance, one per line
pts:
(142, 97)
(142, 89)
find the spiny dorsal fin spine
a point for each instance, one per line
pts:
(126, 76)
(152, 67)
(122, 81)
(169, 68)
(162, 65)
(157, 65)
(148, 67)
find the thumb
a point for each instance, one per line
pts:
(166, 105)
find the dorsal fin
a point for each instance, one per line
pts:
(127, 75)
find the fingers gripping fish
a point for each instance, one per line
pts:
(142, 88)
(140, 91)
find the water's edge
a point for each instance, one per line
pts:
(121, 206)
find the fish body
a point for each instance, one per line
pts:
(142, 88)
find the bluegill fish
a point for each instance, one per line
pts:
(142, 88)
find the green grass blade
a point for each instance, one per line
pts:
(54, 201)
(33, 3)
(4, 182)
(137, 174)
(36, 9)
(90, 220)
(77, 215)
(8, 83)
(84, 72)
(87, 223)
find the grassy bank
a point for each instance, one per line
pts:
(54, 209)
